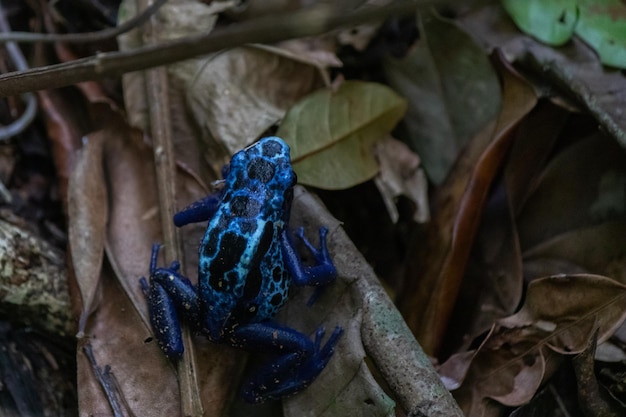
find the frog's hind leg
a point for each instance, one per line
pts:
(169, 295)
(298, 363)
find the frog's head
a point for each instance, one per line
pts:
(265, 163)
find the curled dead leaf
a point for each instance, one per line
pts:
(400, 174)
(559, 316)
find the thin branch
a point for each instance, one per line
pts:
(268, 29)
(85, 37)
(28, 115)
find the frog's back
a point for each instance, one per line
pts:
(242, 276)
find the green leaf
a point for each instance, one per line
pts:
(602, 25)
(550, 21)
(331, 133)
(452, 91)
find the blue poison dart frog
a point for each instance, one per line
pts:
(247, 261)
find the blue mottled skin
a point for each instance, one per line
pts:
(247, 262)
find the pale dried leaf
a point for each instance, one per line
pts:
(400, 174)
(87, 214)
(238, 94)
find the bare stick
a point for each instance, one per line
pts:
(268, 29)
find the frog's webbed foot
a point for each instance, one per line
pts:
(169, 294)
(322, 273)
(298, 363)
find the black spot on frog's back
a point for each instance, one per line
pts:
(231, 248)
(245, 206)
(277, 299)
(261, 169)
(277, 274)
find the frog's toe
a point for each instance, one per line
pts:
(324, 354)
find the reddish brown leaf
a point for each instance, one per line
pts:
(427, 303)
(120, 340)
(65, 123)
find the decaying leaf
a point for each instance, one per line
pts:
(121, 321)
(400, 174)
(87, 214)
(236, 95)
(559, 316)
(493, 281)
(588, 178)
(177, 18)
(331, 133)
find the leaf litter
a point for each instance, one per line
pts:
(132, 226)
(532, 216)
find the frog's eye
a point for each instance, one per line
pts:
(272, 148)
(261, 169)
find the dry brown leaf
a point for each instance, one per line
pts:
(587, 178)
(65, 124)
(133, 226)
(535, 140)
(492, 283)
(400, 174)
(560, 315)
(238, 94)
(87, 218)
(492, 286)
(177, 19)
(597, 249)
(119, 340)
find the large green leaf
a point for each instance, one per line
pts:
(550, 21)
(602, 25)
(331, 132)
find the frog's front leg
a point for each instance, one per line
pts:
(198, 211)
(299, 360)
(170, 296)
(322, 273)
